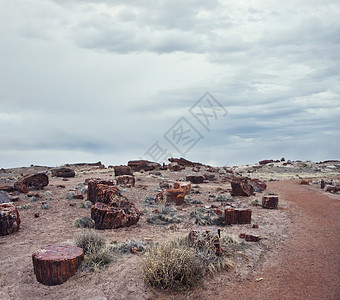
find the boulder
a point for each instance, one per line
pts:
(114, 216)
(55, 264)
(102, 193)
(265, 161)
(270, 201)
(175, 167)
(9, 219)
(175, 196)
(122, 170)
(92, 191)
(126, 180)
(241, 187)
(63, 172)
(31, 182)
(237, 216)
(145, 165)
(7, 188)
(184, 162)
(258, 185)
(195, 179)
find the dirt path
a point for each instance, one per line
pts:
(308, 264)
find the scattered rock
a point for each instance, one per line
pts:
(270, 201)
(9, 219)
(145, 165)
(175, 167)
(31, 182)
(63, 172)
(195, 179)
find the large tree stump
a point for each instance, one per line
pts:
(93, 189)
(9, 219)
(270, 201)
(201, 236)
(55, 264)
(237, 216)
(31, 182)
(108, 217)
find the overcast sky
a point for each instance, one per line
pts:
(89, 80)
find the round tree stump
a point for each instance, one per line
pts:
(9, 219)
(55, 264)
(270, 201)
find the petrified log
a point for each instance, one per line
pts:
(265, 161)
(92, 191)
(122, 170)
(7, 188)
(175, 196)
(63, 172)
(237, 215)
(145, 165)
(9, 219)
(259, 186)
(332, 188)
(31, 182)
(184, 162)
(125, 180)
(185, 186)
(55, 264)
(304, 182)
(105, 194)
(175, 167)
(252, 237)
(195, 179)
(200, 236)
(109, 217)
(270, 201)
(241, 187)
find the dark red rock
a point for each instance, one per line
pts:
(175, 196)
(242, 235)
(145, 165)
(304, 182)
(7, 188)
(126, 180)
(31, 182)
(184, 162)
(92, 191)
(36, 215)
(270, 201)
(123, 170)
(105, 194)
(78, 195)
(255, 226)
(210, 177)
(109, 217)
(63, 172)
(332, 188)
(61, 186)
(252, 238)
(200, 235)
(258, 185)
(9, 219)
(174, 167)
(237, 216)
(265, 161)
(164, 185)
(55, 264)
(195, 179)
(241, 187)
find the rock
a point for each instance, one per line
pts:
(145, 165)
(104, 193)
(210, 177)
(270, 201)
(323, 183)
(175, 196)
(304, 182)
(164, 185)
(122, 170)
(237, 216)
(63, 172)
(255, 226)
(195, 179)
(265, 161)
(78, 195)
(126, 180)
(112, 216)
(92, 191)
(184, 162)
(31, 182)
(258, 185)
(199, 236)
(252, 238)
(175, 167)
(241, 187)
(186, 186)
(55, 264)
(332, 188)
(9, 219)
(7, 188)
(4, 198)
(36, 215)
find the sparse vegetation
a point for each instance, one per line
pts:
(126, 247)
(84, 222)
(178, 264)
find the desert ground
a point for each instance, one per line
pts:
(297, 256)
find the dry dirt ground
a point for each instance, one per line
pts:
(297, 257)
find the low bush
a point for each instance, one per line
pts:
(84, 222)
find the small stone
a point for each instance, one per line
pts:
(36, 215)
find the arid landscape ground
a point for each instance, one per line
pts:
(297, 256)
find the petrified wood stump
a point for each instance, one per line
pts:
(57, 263)
(93, 188)
(9, 219)
(122, 170)
(270, 201)
(109, 217)
(237, 215)
(241, 187)
(125, 180)
(175, 196)
(200, 236)
(195, 179)
(31, 182)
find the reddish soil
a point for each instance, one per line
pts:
(308, 264)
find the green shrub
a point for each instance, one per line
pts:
(84, 222)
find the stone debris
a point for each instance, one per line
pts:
(31, 182)
(143, 165)
(126, 180)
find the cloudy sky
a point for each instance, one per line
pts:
(89, 80)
